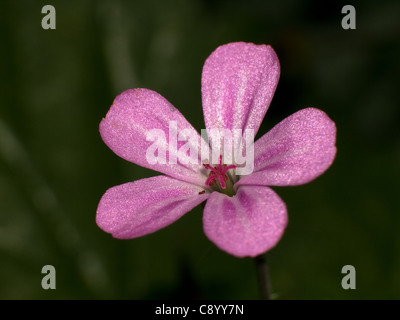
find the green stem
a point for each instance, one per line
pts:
(264, 284)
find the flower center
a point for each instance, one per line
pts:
(219, 178)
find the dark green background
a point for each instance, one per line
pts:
(56, 85)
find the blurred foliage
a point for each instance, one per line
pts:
(56, 85)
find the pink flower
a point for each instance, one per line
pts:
(238, 83)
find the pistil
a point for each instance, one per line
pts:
(220, 177)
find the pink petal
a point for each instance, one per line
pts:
(138, 208)
(247, 224)
(295, 151)
(238, 82)
(133, 114)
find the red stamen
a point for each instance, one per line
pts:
(218, 172)
(222, 181)
(219, 165)
(207, 166)
(210, 181)
(226, 168)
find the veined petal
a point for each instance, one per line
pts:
(138, 208)
(141, 120)
(238, 83)
(295, 151)
(247, 224)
